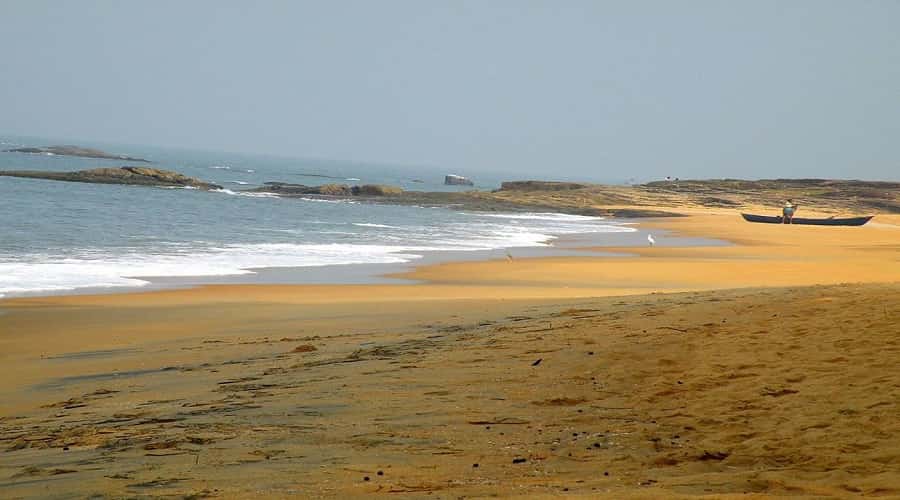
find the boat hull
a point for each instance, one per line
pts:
(852, 221)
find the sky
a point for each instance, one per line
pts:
(594, 89)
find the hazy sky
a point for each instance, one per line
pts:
(602, 89)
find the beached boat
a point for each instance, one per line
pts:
(852, 221)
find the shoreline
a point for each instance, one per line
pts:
(673, 371)
(692, 242)
(589, 244)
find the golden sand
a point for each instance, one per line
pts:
(767, 368)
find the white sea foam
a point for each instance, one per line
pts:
(247, 194)
(260, 195)
(367, 224)
(543, 216)
(351, 179)
(221, 167)
(322, 200)
(384, 243)
(242, 183)
(96, 269)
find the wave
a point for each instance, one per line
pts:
(260, 195)
(549, 216)
(242, 183)
(245, 193)
(220, 167)
(322, 200)
(129, 267)
(351, 179)
(367, 224)
(308, 243)
(103, 269)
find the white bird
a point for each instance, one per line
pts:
(651, 240)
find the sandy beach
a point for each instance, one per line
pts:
(764, 368)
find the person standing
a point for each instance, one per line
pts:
(790, 208)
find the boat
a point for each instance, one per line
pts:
(851, 221)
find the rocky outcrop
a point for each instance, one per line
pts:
(76, 151)
(824, 195)
(287, 189)
(376, 190)
(540, 186)
(503, 201)
(334, 190)
(141, 176)
(457, 180)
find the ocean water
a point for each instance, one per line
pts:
(62, 236)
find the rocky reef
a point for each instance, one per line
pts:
(141, 176)
(655, 199)
(288, 189)
(69, 150)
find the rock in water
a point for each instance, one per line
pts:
(457, 180)
(141, 176)
(287, 189)
(76, 151)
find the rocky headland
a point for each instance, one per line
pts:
(140, 176)
(654, 199)
(69, 150)
(491, 201)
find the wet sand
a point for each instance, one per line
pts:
(768, 368)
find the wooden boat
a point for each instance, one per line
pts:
(852, 221)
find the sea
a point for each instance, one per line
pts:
(65, 237)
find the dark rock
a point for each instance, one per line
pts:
(69, 150)
(715, 455)
(287, 189)
(141, 176)
(457, 180)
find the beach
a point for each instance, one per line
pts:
(763, 368)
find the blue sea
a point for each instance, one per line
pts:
(58, 237)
